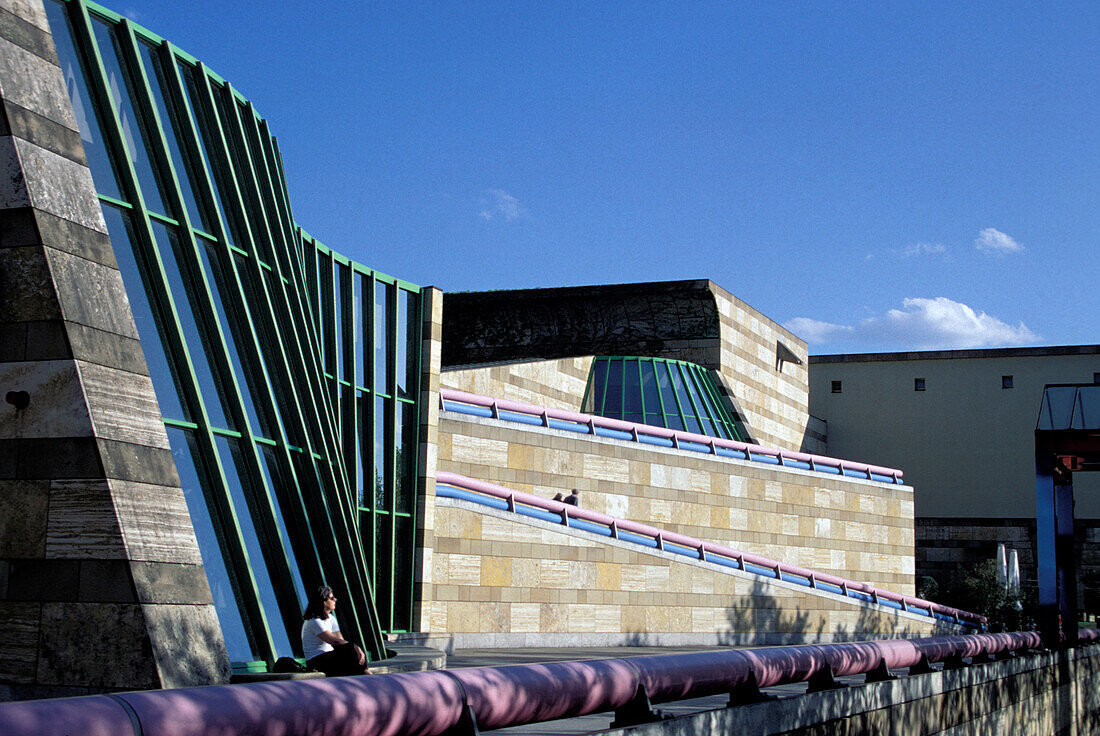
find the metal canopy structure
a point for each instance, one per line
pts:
(1067, 441)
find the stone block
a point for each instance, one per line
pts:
(24, 506)
(64, 235)
(126, 461)
(59, 186)
(26, 287)
(106, 581)
(91, 294)
(155, 523)
(44, 133)
(82, 523)
(13, 183)
(27, 34)
(60, 458)
(119, 655)
(18, 642)
(123, 406)
(187, 645)
(56, 407)
(46, 341)
(43, 580)
(105, 348)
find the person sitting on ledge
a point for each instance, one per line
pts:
(573, 499)
(557, 497)
(323, 645)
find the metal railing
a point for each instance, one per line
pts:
(514, 411)
(432, 703)
(452, 485)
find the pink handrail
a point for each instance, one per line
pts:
(432, 703)
(592, 421)
(512, 497)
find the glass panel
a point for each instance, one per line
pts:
(383, 366)
(222, 586)
(383, 473)
(273, 478)
(184, 174)
(691, 375)
(127, 117)
(632, 391)
(250, 384)
(338, 272)
(362, 471)
(252, 210)
(360, 348)
(87, 119)
(690, 422)
(613, 396)
(650, 397)
(405, 462)
(160, 370)
(328, 315)
(209, 149)
(229, 453)
(383, 577)
(593, 403)
(402, 574)
(169, 246)
(408, 345)
(672, 410)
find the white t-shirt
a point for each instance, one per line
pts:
(311, 644)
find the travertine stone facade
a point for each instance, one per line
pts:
(558, 384)
(773, 394)
(431, 331)
(846, 526)
(503, 581)
(101, 582)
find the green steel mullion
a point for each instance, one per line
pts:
(391, 357)
(720, 406)
(147, 254)
(660, 398)
(701, 411)
(360, 590)
(415, 461)
(685, 377)
(588, 385)
(277, 563)
(603, 394)
(718, 410)
(272, 317)
(276, 189)
(669, 365)
(294, 514)
(272, 236)
(349, 424)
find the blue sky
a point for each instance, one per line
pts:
(876, 176)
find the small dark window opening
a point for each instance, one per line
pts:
(1006, 381)
(836, 387)
(1096, 377)
(918, 384)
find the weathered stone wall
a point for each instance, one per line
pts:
(846, 526)
(431, 330)
(558, 384)
(507, 581)
(101, 582)
(1042, 693)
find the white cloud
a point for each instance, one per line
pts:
(924, 249)
(814, 331)
(992, 240)
(921, 324)
(499, 203)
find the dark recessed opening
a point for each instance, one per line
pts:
(918, 384)
(1006, 381)
(836, 387)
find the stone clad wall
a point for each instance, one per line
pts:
(503, 582)
(845, 526)
(558, 384)
(101, 582)
(773, 396)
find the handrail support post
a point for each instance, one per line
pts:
(823, 680)
(748, 693)
(636, 711)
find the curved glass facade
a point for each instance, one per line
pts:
(661, 393)
(287, 375)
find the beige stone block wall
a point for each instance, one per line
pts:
(854, 528)
(775, 398)
(502, 580)
(558, 384)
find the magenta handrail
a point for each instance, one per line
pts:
(431, 703)
(676, 436)
(704, 549)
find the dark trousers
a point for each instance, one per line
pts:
(342, 660)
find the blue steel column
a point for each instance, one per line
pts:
(1065, 554)
(1044, 548)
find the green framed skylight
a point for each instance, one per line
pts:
(659, 392)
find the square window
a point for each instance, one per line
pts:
(918, 384)
(836, 387)
(1006, 381)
